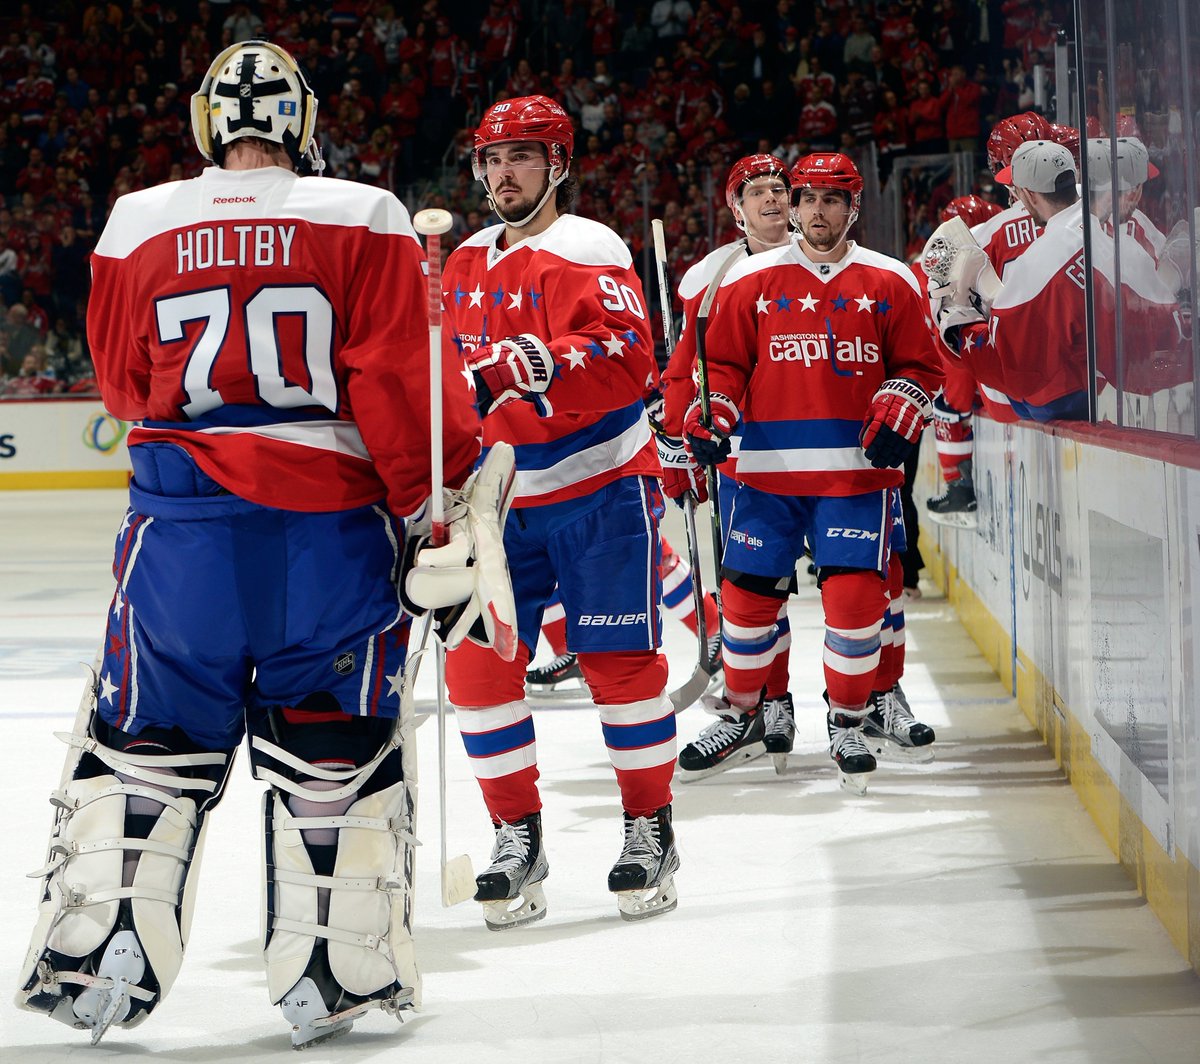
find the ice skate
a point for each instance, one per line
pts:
(561, 677)
(956, 506)
(643, 878)
(780, 730)
(892, 732)
(109, 996)
(854, 760)
(515, 875)
(736, 737)
(320, 1016)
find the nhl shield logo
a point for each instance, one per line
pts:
(344, 663)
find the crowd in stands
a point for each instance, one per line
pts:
(94, 102)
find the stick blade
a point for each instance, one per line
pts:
(458, 881)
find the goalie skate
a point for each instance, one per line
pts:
(312, 1022)
(892, 733)
(511, 887)
(643, 878)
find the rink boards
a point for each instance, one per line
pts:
(1079, 585)
(61, 443)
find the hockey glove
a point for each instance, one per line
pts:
(520, 367)
(680, 472)
(897, 414)
(710, 444)
(945, 414)
(951, 319)
(466, 582)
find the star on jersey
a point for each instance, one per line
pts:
(631, 337)
(125, 522)
(476, 295)
(763, 304)
(783, 302)
(118, 605)
(840, 303)
(809, 302)
(514, 300)
(865, 302)
(884, 306)
(576, 357)
(469, 377)
(107, 689)
(458, 342)
(614, 346)
(534, 298)
(395, 682)
(596, 350)
(497, 296)
(458, 295)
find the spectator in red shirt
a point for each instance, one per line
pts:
(497, 36)
(155, 155)
(35, 176)
(523, 82)
(818, 121)
(961, 104)
(927, 121)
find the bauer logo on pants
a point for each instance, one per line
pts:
(344, 663)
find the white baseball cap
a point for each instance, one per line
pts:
(1133, 163)
(1036, 165)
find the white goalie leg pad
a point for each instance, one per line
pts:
(358, 913)
(108, 875)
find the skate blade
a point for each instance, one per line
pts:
(740, 757)
(306, 1038)
(115, 1008)
(458, 881)
(899, 754)
(780, 763)
(550, 692)
(644, 904)
(531, 907)
(957, 519)
(854, 782)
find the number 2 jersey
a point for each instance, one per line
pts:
(275, 328)
(801, 348)
(573, 287)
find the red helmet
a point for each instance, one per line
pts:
(1127, 126)
(748, 168)
(829, 170)
(1068, 137)
(536, 118)
(1010, 133)
(971, 209)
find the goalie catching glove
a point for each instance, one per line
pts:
(520, 367)
(895, 419)
(709, 444)
(466, 582)
(962, 282)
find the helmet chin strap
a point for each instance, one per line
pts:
(741, 224)
(551, 185)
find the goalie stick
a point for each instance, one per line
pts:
(458, 875)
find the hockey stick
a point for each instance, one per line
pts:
(697, 683)
(706, 404)
(458, 876)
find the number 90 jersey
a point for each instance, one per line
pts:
(275, 328)
(573, 287)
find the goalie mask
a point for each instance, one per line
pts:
(528, 118)
(255, 89)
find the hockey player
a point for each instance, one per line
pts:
(953, 408)
(821, 348)
(1031, 342)
(551, 321)
(1003, 237)
(757, 191)
(236, 317)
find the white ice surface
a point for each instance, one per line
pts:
(963, 911)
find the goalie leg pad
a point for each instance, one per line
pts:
(119, 883)
(339, 846)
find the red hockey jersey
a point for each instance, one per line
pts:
(275, 328)
(801, 348)
(573, 287)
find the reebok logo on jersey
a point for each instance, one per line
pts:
(344, 663)
(850, 533)
(235, 199)
(814, 347)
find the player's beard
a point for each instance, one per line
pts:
(521, 208)
(827, 240)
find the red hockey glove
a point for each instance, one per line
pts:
(680, 472)
(897, 414)
(710, 446)
(519, 367)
